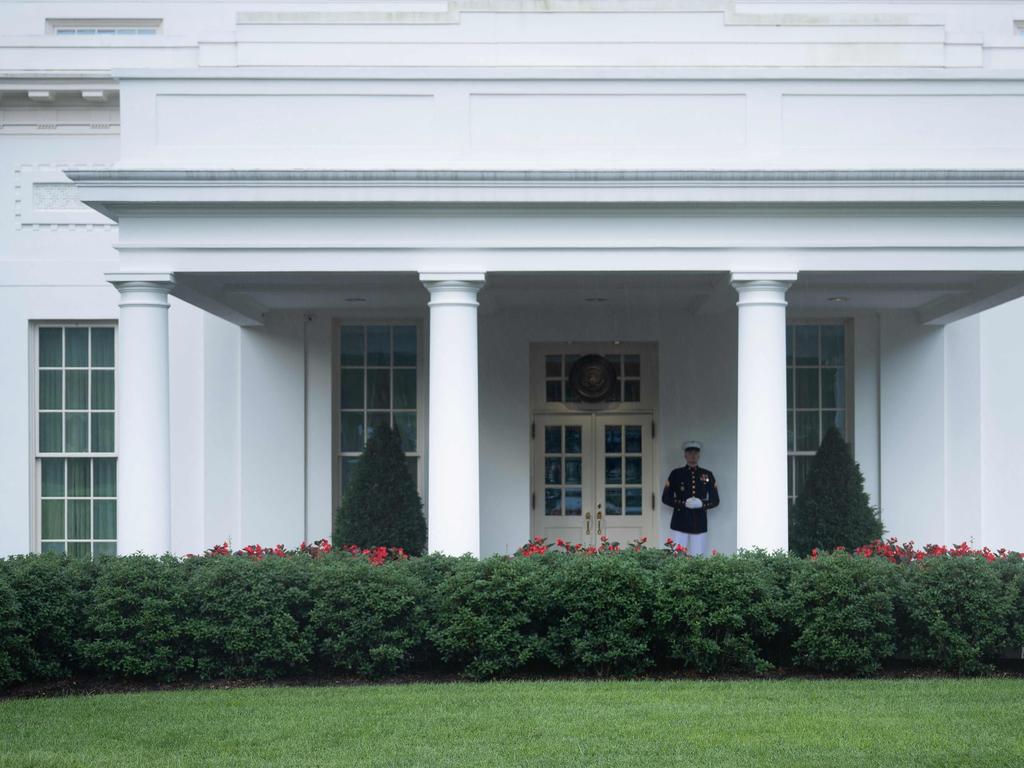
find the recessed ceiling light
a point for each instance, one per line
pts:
(355, 300)
(839, 299)
(596, 299)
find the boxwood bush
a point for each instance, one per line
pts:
(265, 614)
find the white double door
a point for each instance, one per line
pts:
(592, 478)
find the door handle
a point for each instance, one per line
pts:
(600, 517)
(587, 518)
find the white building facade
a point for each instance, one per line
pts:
(241, 235)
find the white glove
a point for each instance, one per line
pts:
(693, 503)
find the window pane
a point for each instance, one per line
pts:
(405, 344)
(51, 432)
(53, 546)
(79, 519)
(806, 387)
(789, 345)
(104, 519)
(376, 419)
(378, 388)
(77, 352)
(51, 390)
(101, 548)
(405, 388)
(553, 366)
(378, 345)
(103, 347)
(79, 549)
(405, 423)
(348, 469)
(631, 391)
(352, 345)
(634, 501)
(833, 351)
(79, 483)
(352, 431)
(53, 519)
(412, 463)
(789, 387)
(76, 432)
(51, 348)
(807, 437)
(102, 390)
(805, 338)
(833, 388)
(77, 392)
(835, 419)
(102, 433)
(352, 388)
(553, 391)
(632, 365)
(801, 468)
(52, 471)
(105, 477)
(613, 501)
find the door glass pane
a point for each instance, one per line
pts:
(352, 388)
(76, 432)
(104, 519)
(51, 348)
(352, 431)
(833, 388)
(573, 471)
(552, 501)
(51, 432)
(104, 477)
(103, 432)
(573, 501)
(53, 519)
(53, 477)
(634, 439)
(634, 501)
(807, 437)
(103, 390)
(613, 470)
(552, 439)
(613, 501)
(405, 388)
(634, 470)
(573, 439)
(77, 390)
(378, 345)
(833, 351)
(51, 390)
(553, 471)
(352, 345)
(77, 351)
(78, 519)
(103, 347)
(612, 439)
(405, 423)
(405, 344)
(806, 387)
(378, 388)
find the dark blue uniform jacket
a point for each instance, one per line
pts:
(682, 484)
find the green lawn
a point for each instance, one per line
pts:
(912, 722)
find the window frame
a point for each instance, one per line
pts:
(422, 382)
(35, 455)
(847, 323)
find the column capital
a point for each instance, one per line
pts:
(142, 288)
(743, 279)
(453, 287)
(761, 288)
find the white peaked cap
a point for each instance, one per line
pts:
(692, 444)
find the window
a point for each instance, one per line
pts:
(76, 439)
(102, 27)
(378, 383)
(556, 378)
(817, 395)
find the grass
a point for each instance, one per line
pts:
(892, 722)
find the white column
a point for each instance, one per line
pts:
(144, 464)
(762, 518)
(453, 446)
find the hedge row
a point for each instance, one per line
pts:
(146, 618)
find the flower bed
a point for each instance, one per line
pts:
(259, 612)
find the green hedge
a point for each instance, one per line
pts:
(146, 618)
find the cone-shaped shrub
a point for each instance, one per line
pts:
(381, 506)
(833, 510)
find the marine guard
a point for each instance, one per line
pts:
(691, 491)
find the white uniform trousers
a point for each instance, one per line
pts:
(695, 543)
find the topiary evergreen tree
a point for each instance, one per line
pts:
(381, 506)
(833, 509)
